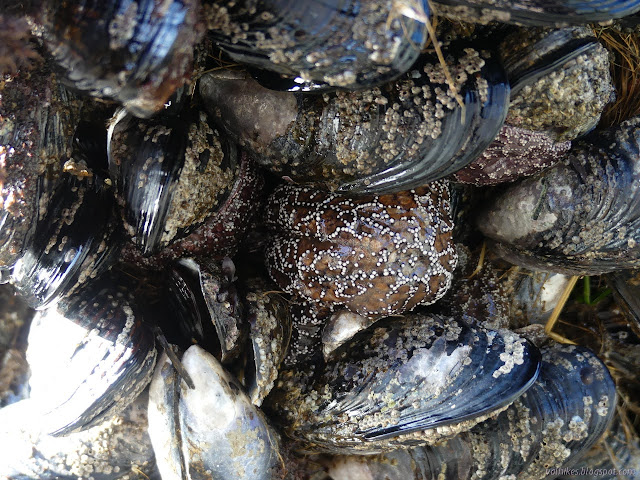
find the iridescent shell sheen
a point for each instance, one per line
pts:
(350, 44)
(390, 138)
(136, 52)
(409, 381)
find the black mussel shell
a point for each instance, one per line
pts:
(547, 13)
(136, 52)
(513, 154)
(76, 240)
(626, 287)
(617, 456)
(579, 217)
(102, 357)
(560, 80)
(170, 174)
(409, 381)
(208, 308)
(270, 320)
(212, 430)
(15, 319)
(37, 120)
(395, 137)
(350, 44)
(544, 432)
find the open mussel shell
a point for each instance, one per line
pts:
(117, 449)
(546, 430)
(37, 120)
(548, 13)
(170, 174)
(209, 431)
(401, 135)
(376, 255)
(352, 44)
(103, 357)
(208, 307)
(137, 53)
(579, 217)
(410, 381)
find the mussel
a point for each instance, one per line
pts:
(119, 448)
(544, 432)
(170, 174)
(35, 143)
(103, 357)
(401, 135)
(212, 430)
(548, 13)
(411, 381)
(136, 52)
(581, 216)
(350, 44)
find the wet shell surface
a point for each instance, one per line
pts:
(170, 175)
(560, 80)
(136, 52)
(119, 448)
(103, 359)
(413, 381)
(35, 141)
(514, 153)
(548, 13)
(221, 233)
(351, 44)
(545, 430)
(211, 430)
(376, 255)
(580, 217)
(402, 135)
(270, 320)
(74, 242)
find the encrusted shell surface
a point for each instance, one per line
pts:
(35, 141)
(119, 448)
(170, 175)
(560, 79)
(352, 44)
(136, 52)
(75, 241)
(413, 381)
(580, 217)
(270, 320)
(543, 432)
(548, 13)
(222, 231)
(515, 152)
(398, 136)
(376, 255)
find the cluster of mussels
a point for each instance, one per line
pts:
(240, 239)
